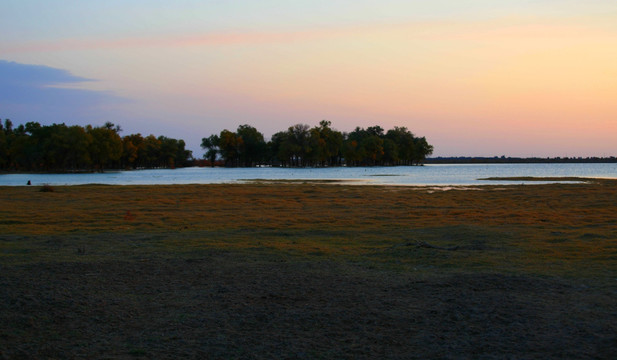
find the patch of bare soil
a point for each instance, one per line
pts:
(226, 305)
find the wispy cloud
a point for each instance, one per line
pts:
(503, 27)
(206, 39)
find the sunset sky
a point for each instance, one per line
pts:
(477, 78)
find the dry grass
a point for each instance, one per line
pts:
(557, 229)
(47, 188)
(308, 271)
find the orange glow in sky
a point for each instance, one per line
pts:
(519, 80)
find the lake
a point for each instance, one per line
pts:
(459, 174)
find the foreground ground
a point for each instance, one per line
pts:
(306, 271)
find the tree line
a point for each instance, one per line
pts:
(520, 160)
(58, 147)
(300, 146)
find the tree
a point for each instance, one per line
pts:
(172, 152)
(352, 152)
(132, 146)
(20, 147)
(229, 146)
(184, 157)
(375, 131)
(58, 147)
(299, 144)
(78, 141)
(372, 146)
(8, 127)
(321, 145)
(211, 145)
(422, 149)
(325, 144)
(390, 149)
(280, 148)
(404, 141)
(151, 151)
(251, 145)
(353, 148)
(4, 148)
(106, 145)
(168, 152)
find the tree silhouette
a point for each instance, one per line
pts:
(57, 147)
(211, 145)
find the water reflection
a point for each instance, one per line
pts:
(459, 174)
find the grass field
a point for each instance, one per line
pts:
(309, 270)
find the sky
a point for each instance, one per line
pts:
(476, 78)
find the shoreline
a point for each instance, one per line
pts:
(497, 181)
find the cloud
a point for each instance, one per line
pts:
(498, 28)
(36, 93)
(189, 40)
(17, 74)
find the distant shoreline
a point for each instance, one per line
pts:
(519, 160)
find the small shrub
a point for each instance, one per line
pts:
(47, 188)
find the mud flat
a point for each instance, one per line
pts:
(309, 270)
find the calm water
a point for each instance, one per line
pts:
(465, 174)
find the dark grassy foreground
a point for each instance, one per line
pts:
(304, 271)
